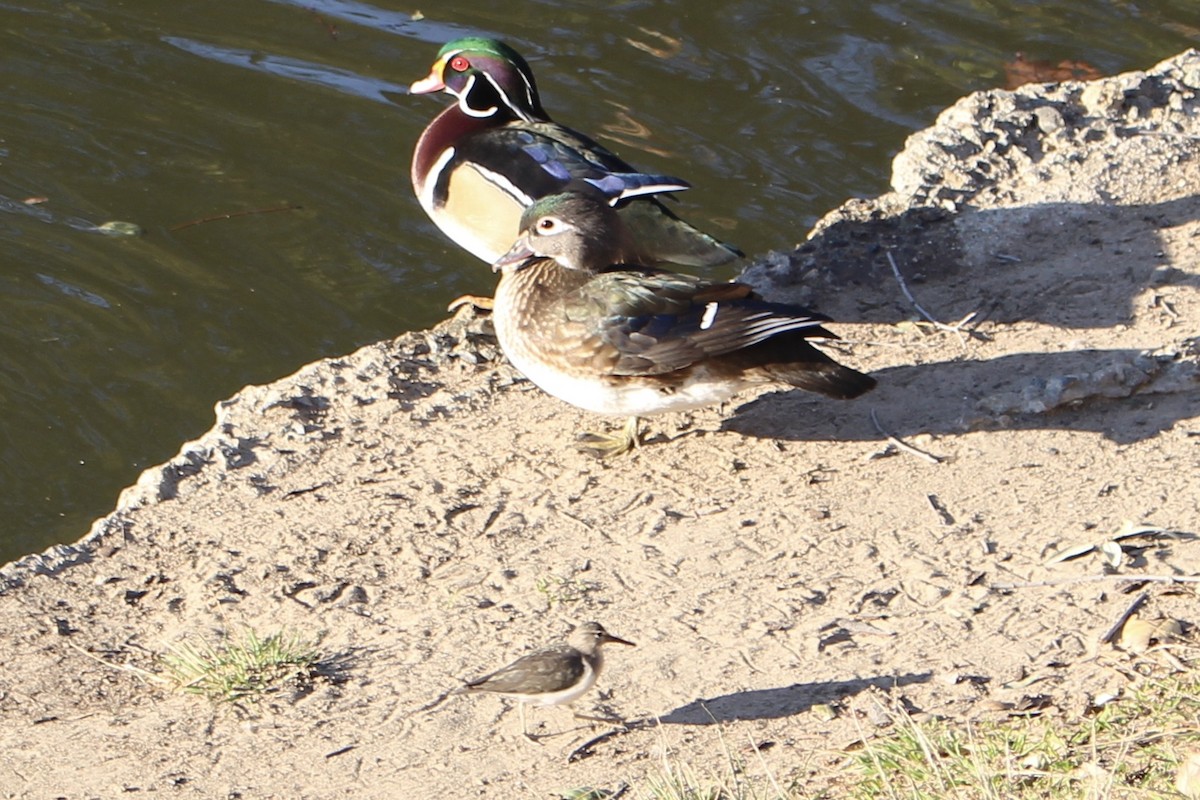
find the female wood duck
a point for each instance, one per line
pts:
(578, 315)
(483, 160)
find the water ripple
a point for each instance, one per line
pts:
(291, 68)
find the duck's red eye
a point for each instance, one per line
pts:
(459, 64)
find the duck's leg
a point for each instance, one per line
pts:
(607, 445)
(479, 301)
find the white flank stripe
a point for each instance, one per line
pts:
(435, 173)
(504, 184)
(710, 314)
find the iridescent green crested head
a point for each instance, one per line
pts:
(487, 76)
(481, 45)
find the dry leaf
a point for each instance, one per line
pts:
(1093, 772)
(1130, 529)
(1034, 761)
(1031, 705)
(118, 228)
(991, 704)
(1019, 71)
(1169, 629)
(1111, 549)
(823, 712)
(1136, 635)
(1113, 554)
(671, 46)
(1187, 780)
(1070, 553)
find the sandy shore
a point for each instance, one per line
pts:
(784, 564)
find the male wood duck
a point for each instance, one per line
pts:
(483, 160)
(578, 315)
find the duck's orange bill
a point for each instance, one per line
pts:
(431, 83)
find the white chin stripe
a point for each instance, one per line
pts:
(466, 108)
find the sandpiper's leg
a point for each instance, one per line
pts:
(524, 729)
(607, 445)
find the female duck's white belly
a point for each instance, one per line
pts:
(618, 395)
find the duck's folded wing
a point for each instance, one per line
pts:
(659, 322)
(534, 160)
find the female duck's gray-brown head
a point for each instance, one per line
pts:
(579, 231)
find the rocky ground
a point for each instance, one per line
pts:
(1028, 297)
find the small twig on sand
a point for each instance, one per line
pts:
(1004, 587)
(1121, 620)
(585, 750)
(138, 671)
(956, 328)
(903, 446)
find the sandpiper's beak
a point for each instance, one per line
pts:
(608, 637)
(517, 255)
(432, 82)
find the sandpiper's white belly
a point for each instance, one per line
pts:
(563, 696)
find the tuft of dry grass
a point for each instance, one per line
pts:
(1132, 747)
(243, 670)
(1145, 744)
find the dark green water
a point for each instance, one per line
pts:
(115, 349)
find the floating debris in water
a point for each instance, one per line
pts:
(115, 228)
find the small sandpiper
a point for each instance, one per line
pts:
(552, 676)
